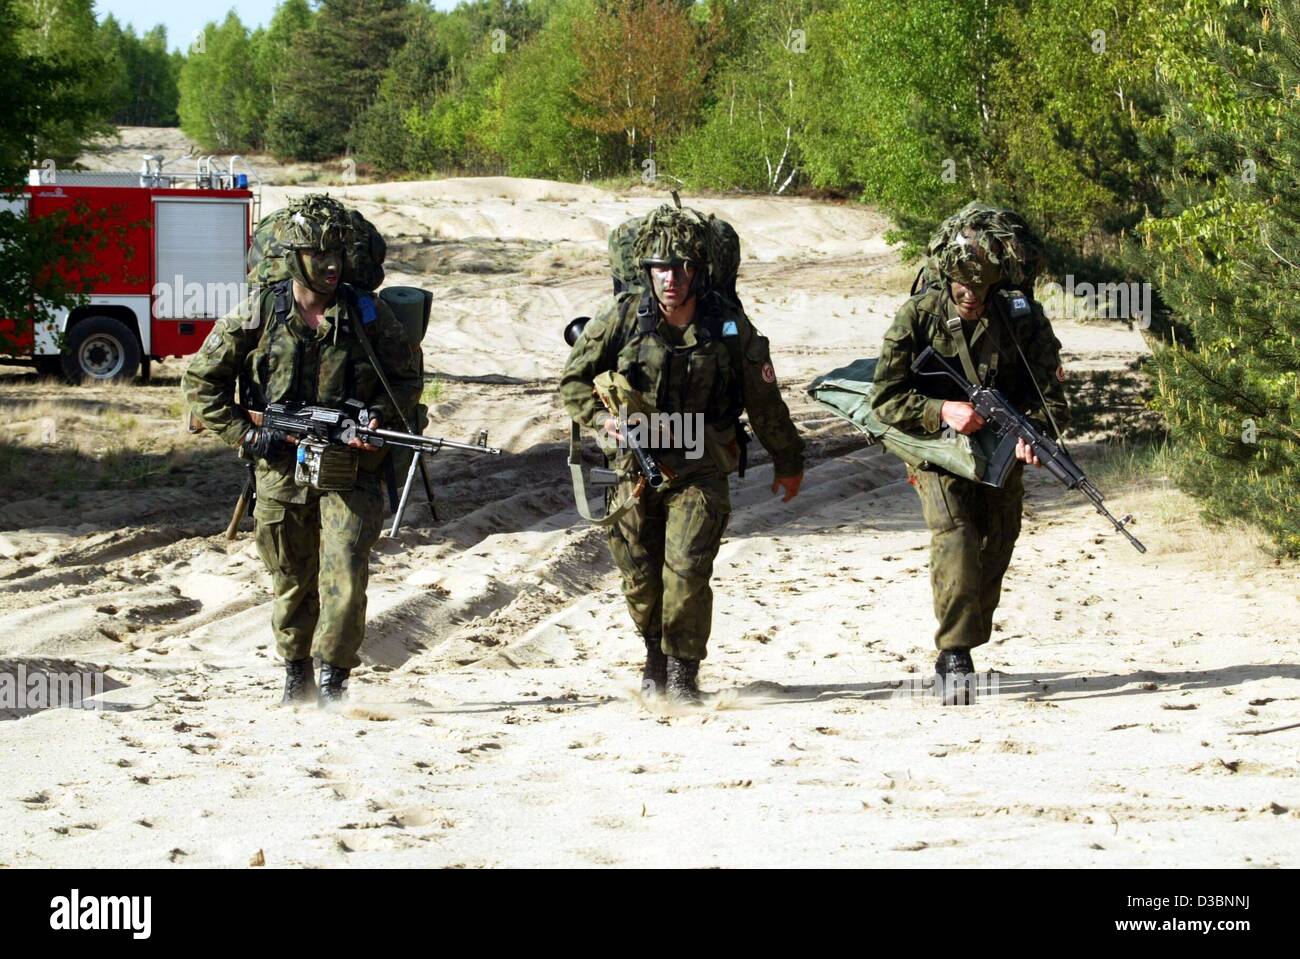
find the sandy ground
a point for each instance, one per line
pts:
(1135, 709)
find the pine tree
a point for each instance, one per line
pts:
(1227, 263)
(334, 69)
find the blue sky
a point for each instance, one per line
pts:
(183, 20)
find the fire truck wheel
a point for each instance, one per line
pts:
(100, 349)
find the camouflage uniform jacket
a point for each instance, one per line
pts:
(719, 365)
(914, 404)
(290, 362)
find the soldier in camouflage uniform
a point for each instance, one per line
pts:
(975, 257)
(298, 340)
(686, 348)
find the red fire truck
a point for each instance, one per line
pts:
(176, 265)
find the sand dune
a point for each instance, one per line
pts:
(496, 722)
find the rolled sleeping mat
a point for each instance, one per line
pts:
(411, 305)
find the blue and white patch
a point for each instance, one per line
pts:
(730, 329)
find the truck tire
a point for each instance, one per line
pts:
(101, 349)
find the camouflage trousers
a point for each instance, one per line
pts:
(318, 555)
(665, 548)
(973, 530)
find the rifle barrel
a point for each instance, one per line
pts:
(431, 443)
(1090, 491)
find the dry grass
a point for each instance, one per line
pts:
(433, 392)
(1139, 478)
(105, 438)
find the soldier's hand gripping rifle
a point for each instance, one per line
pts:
(1010, 425)
(650, 471)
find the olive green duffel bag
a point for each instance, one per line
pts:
(847, 392)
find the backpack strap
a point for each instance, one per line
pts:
(647, 317)
(282, 292)
(729, 333)
(356, 301)
(580, 499)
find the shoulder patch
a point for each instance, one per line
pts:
(366, 303)
(769, 374)
(730, 328)
(1018, 304)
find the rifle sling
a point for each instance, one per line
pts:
(379, 371)
(580, 484)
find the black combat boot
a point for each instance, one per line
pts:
(954, 677)
(299, 684)
(681, 680)
(654, 676)
(332, 679)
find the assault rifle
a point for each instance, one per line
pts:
(652, 473)
(317, 428)
(352, 421)
(1010, 425)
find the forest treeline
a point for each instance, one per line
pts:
(1148, 141)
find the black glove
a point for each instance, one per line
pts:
(265, 443)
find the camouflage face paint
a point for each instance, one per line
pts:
(672, 284)
(969, 297)
(321, 271)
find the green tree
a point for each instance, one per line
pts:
(63, 32)
(761, 98)
(144, 83)
(904, 111)
(272, 46)
(533, 106)
(45, 100)
(333, 69)
(384, 134)
(643, 68)
(1068, 120)
(219, 108)
(435, 108)
(1226, 259)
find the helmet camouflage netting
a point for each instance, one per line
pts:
(315, 222)
(984, 244)
(669, 235)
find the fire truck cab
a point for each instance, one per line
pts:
(176, 264)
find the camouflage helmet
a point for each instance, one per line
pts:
(671, 235)
(315, 223)
(982, 244)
